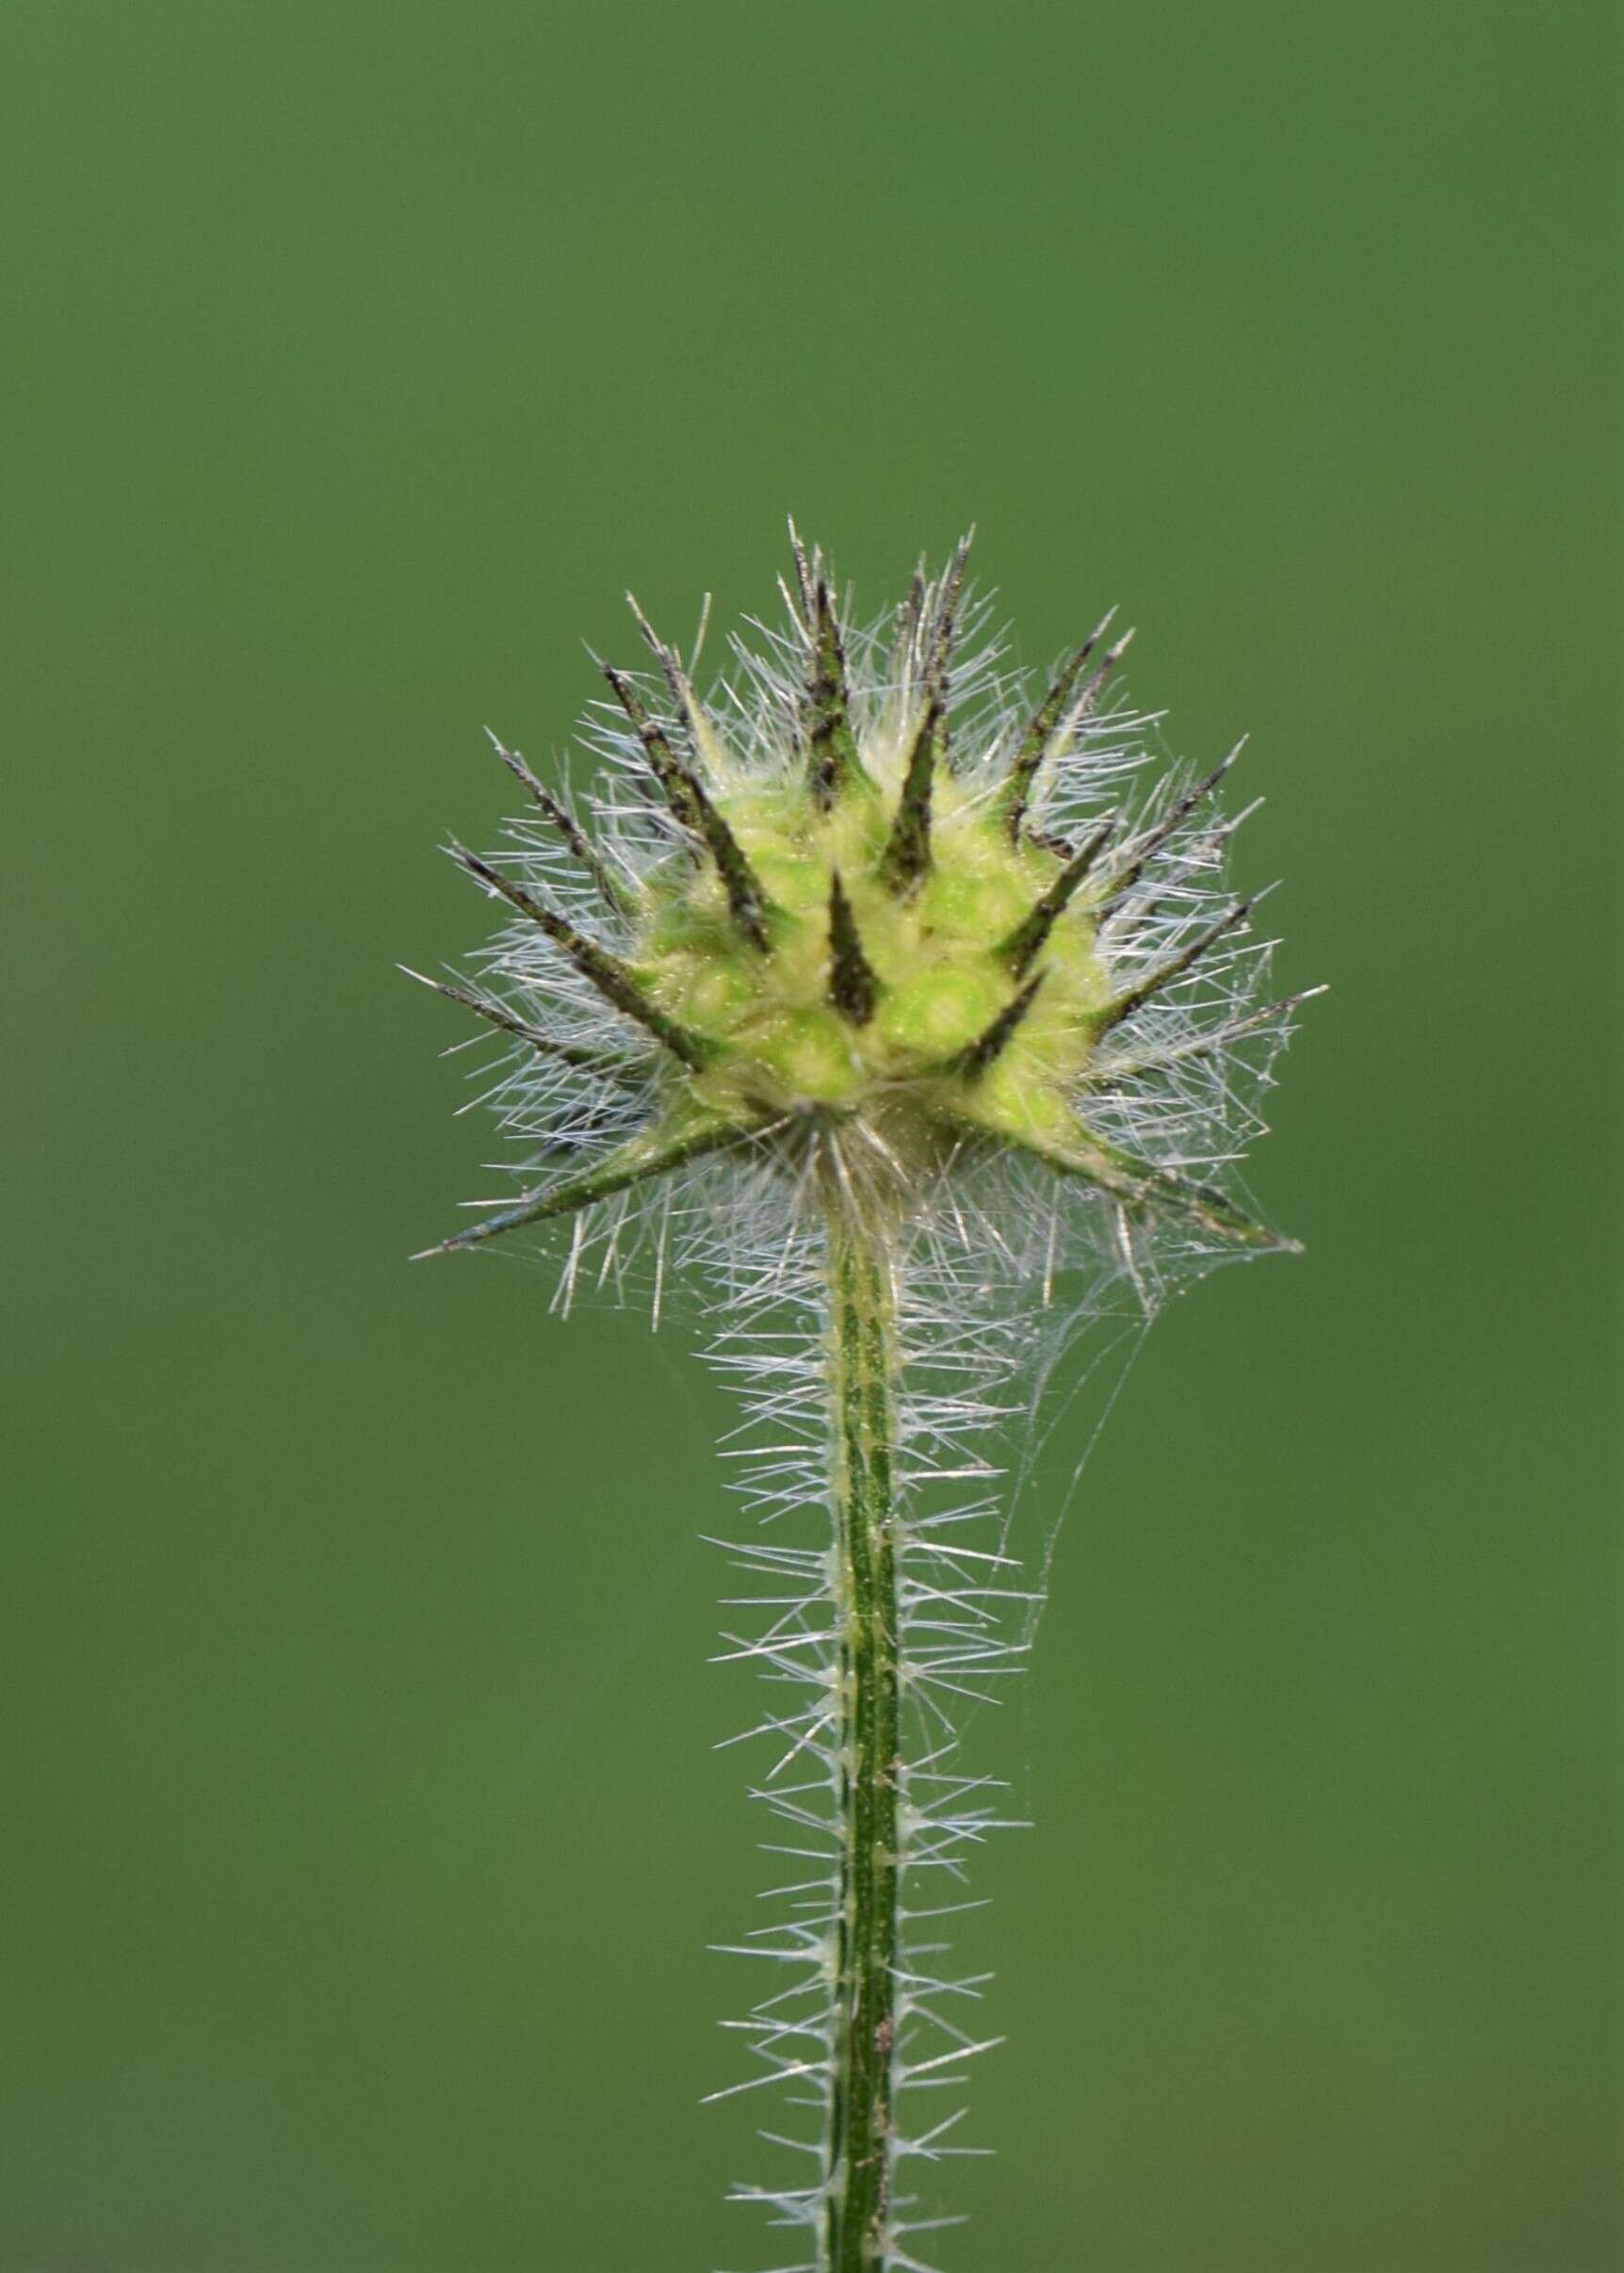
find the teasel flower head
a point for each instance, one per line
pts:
(863, 920)
(910, 1004)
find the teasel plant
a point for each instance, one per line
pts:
(904, 1009)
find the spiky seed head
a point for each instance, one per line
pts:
(847, 947)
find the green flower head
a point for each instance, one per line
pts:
(863, 917)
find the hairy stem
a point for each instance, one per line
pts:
(862, 1372)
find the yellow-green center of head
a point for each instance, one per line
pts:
(786, 1028)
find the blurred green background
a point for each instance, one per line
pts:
(362, 1834)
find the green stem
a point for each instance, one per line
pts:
(862, 1375)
